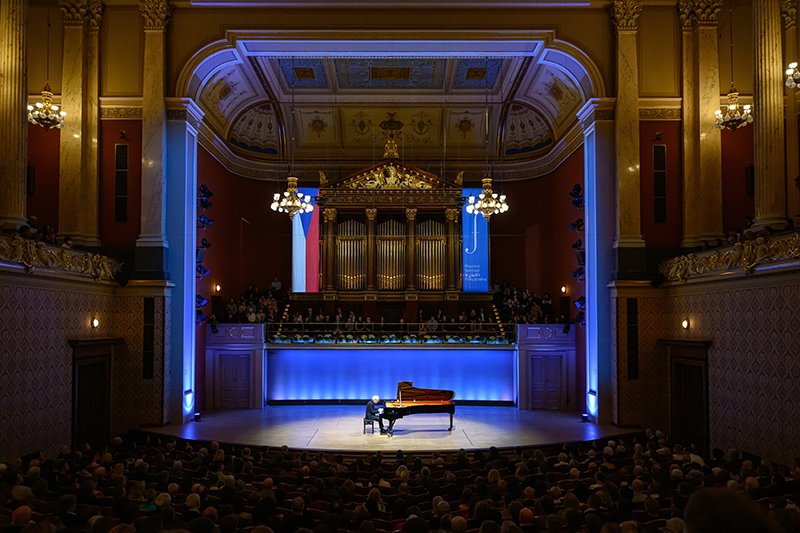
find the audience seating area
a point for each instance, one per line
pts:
(642, 483)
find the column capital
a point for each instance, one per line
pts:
(686, 14)
(74, 12)
(330, 214)
(789, 13)
(625, 14)
(94, 14)
(372, 214)
(706, 12)
(411, 215)
(452, 214)
(156, 14)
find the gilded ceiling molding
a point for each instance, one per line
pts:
(156, 14)
(744, 256)
(707, 12)
(32, 255)
(94, 14)
(74, 12)
(625, 14)
(789, 12)
(686, 14)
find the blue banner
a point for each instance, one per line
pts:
(475, 251)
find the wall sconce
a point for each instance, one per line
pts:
(217, 288)
(685, 323)
(563, 289)
(95, 322)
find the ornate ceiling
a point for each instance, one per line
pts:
(345, 107)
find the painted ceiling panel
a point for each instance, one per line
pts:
(420, 127)
(476, 73)
(255, 132)
(390, 73)
(526, 133)
(316, 127)
(466, 127)
(304, 73)
(221, 96)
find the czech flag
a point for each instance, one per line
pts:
(305, 247)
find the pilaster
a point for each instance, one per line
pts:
(13, 103)
(89, 217)
(152, 245)
(452, 248)
(690, 127)
(411, 249)
(329, 240)
(790, 53)
(629, 244)
(768, 133)
(372, 267)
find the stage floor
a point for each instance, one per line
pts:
(339, 427)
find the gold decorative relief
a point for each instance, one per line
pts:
(74, 12)
(389, 177)
(789, 12)
(33, 255)
(460, 179)
(744, 256)
(323, 179)
(372, 214)
(625, 14)
(411, 214)
(660, 114)
(94, 14)
(707, 12)
(329, 214)
(451, 214)
(156, 13)
(120, 113)
(686, 14)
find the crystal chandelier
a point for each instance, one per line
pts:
(292, 201)
(488, 202)
(735, 116)
(45, 114)
(792, 76)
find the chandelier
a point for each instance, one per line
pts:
(735, 117)
(488, 202)
(45, 114)
(792, 76)
(292, 201)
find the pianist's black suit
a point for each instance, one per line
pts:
(374, 414)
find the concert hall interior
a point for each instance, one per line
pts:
(555, 210)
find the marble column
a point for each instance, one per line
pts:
(13, 113)
(789, 12)
(768, 132)
(72, 156)
(152, 245)
(452, 249)
(629, 244)
(372, 267)
(690, 127)
(411, 249)
(708, 186)
(89, 217)
(329, 215)
(181, 165)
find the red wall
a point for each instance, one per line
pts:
(43, 155)
(241, 253)
(737, 155)
(120, 234)
(531, 244)
(661, 235)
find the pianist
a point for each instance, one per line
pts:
(374, 412)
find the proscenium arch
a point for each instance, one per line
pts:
(238, 46)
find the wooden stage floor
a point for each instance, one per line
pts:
(339, 427)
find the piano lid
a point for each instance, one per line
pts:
(407, 392)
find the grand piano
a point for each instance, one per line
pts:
(414, 401)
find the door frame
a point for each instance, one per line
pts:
(562, 397)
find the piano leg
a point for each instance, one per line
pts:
(391, 425)
(451, 422)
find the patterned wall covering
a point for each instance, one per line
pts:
(136, 401)
(39, 316)
(753, 363)
(36, 394)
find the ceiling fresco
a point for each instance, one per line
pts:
(345, 108)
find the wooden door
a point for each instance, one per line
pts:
(545, 380)
(234, 371)
(91, 391)
(688, 390)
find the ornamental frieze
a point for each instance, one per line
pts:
(744, 256)
(32, 255)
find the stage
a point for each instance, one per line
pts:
(339, 427)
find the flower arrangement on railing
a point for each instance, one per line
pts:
(387, 339)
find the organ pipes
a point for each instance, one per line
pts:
(351, 260)
(431, 255)
(391, 255)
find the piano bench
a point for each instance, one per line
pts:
(368, 422)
